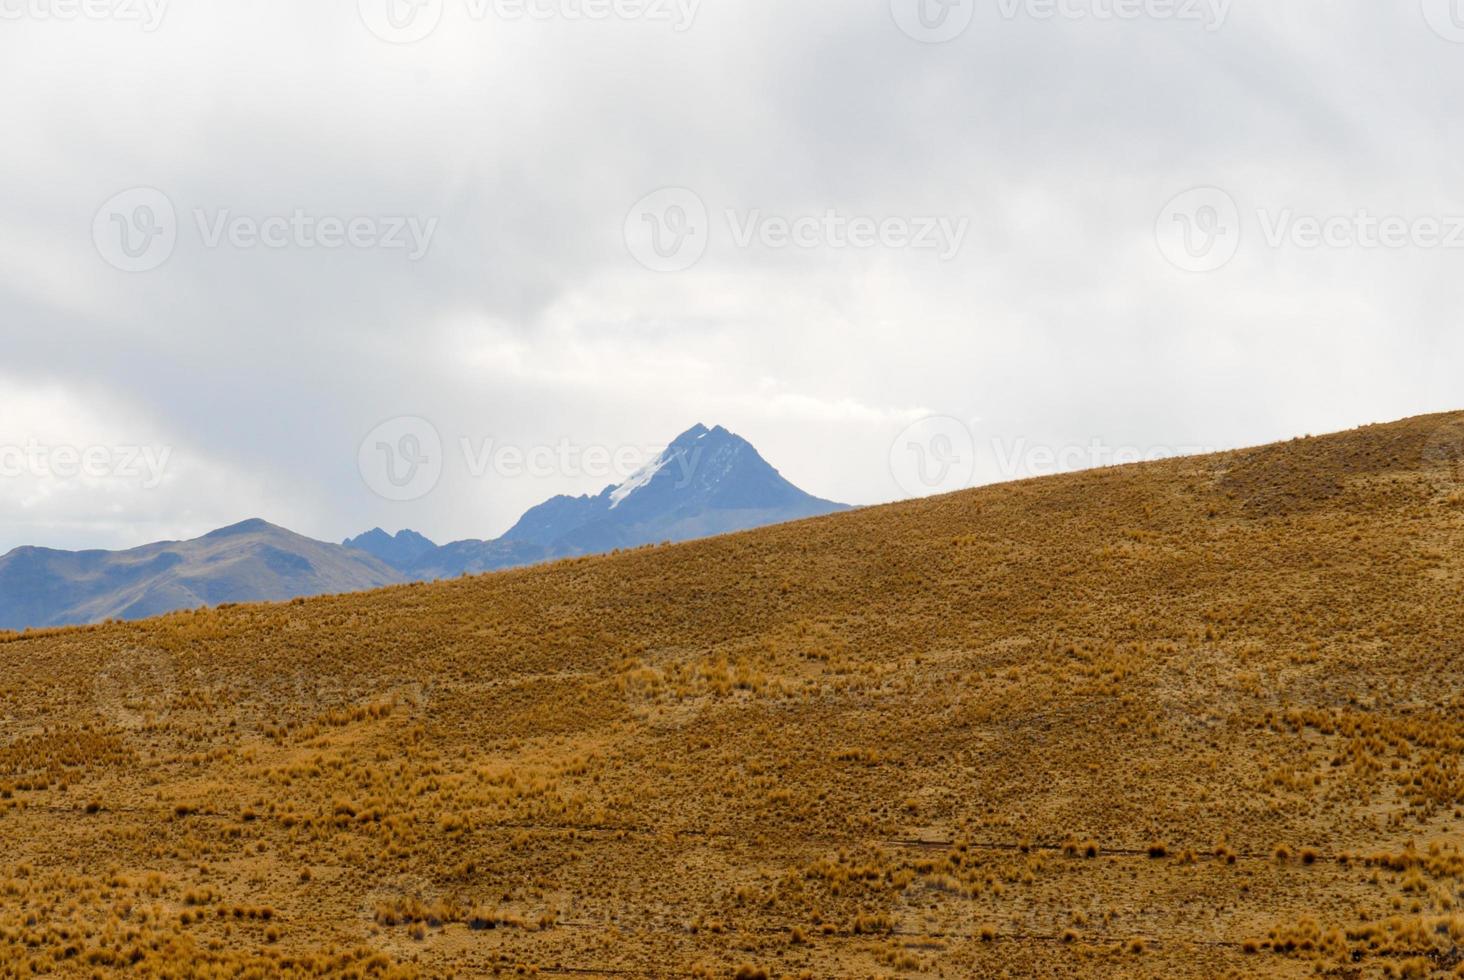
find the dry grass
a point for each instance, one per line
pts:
(1196, 718)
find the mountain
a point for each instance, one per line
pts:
(707, 482)
(1188, 719)
(249, 562)
(398, 551)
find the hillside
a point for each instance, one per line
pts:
(1184, 719)
(252, 561)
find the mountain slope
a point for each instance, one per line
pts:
(249, 562)
(706, 482)
(1195, 718)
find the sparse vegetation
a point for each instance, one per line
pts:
(1215, 703)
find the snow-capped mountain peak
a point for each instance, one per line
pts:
(707, 481)
(697, 460)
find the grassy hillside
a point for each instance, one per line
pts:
(1190, 718)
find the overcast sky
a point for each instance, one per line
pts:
(256, 257)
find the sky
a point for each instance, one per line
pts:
(425, 263)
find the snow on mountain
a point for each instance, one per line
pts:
(639, 479)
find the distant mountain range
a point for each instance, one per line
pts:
(249, 562)
(707, 482)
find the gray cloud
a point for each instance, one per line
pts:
(528, 321)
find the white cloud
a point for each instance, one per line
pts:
(87, 472)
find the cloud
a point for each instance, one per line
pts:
(529, 319)
(90, 473)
